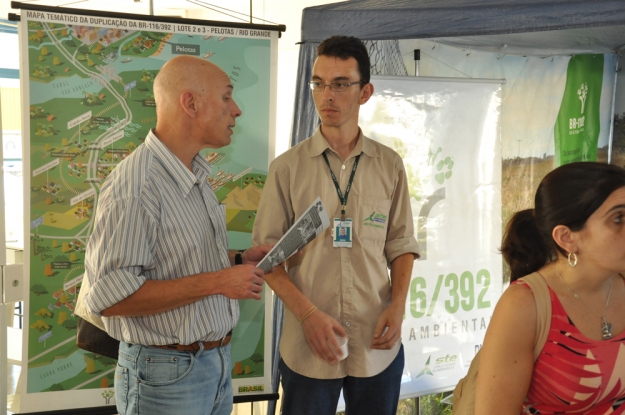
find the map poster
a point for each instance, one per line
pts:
(87, 84)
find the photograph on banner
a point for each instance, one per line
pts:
(89, 103)
(556, 109)
(448, 133)
(557, 112)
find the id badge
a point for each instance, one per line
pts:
(342, 233)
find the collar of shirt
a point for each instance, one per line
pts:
(181, 175)
(319, 144)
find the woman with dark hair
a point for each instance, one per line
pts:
(575, 239)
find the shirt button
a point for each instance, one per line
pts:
(343, 167)
(348, 324)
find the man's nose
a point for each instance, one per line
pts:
(327, 92)
(236, 110)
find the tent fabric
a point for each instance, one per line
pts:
(419, 19)
(305, 118)
(524, 27)
(589, 40)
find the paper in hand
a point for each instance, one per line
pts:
(311, 224)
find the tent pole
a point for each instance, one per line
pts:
(4, 318)
(611, 136)
(417, 58)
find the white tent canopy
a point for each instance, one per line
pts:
(571, 23)
(512, 27)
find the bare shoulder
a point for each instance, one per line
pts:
(519, 295)
(515, 313)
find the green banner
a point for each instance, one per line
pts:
(576, 132)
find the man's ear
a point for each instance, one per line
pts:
(565, 238)
(365, 93)
(188, 104)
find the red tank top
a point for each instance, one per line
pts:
(574, 374)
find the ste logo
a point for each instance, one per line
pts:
(441, 364)
(426, 369)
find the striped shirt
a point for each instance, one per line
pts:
(156, 220)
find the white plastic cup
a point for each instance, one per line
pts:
(342, 341)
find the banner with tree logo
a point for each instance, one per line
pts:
(576, 132)
(447, 130)
(555, 109)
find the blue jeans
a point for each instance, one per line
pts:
(151, 381)
(376, 395)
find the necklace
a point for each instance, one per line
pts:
(606, 328)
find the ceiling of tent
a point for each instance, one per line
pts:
(605, 39)
(532, 27)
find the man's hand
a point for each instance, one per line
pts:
(319, 331)
(253, 255)
(390, 320)
(241, 282)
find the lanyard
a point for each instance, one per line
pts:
(342, 198)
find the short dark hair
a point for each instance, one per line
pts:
(346, 47)
(567, 196)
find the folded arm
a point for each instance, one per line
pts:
(240, 282)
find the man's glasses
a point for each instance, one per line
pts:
(317, 86)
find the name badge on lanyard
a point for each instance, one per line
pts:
(342, 230)
(342, 233)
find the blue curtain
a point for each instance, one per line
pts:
(305, 119)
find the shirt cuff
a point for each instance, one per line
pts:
(112, 289)
(401, 246)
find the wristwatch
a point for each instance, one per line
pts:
(238, 257)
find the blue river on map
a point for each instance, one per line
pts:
(42, 377)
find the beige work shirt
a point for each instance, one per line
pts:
(350, 284)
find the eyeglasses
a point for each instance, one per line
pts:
(317, 86)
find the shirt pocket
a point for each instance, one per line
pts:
(373, 217)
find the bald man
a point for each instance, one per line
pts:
(161, 274)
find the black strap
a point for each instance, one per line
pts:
(238, 258)
(342, 198)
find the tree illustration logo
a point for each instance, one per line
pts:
(582, 93)
(107, 395)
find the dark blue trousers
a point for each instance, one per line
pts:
(376, 395)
